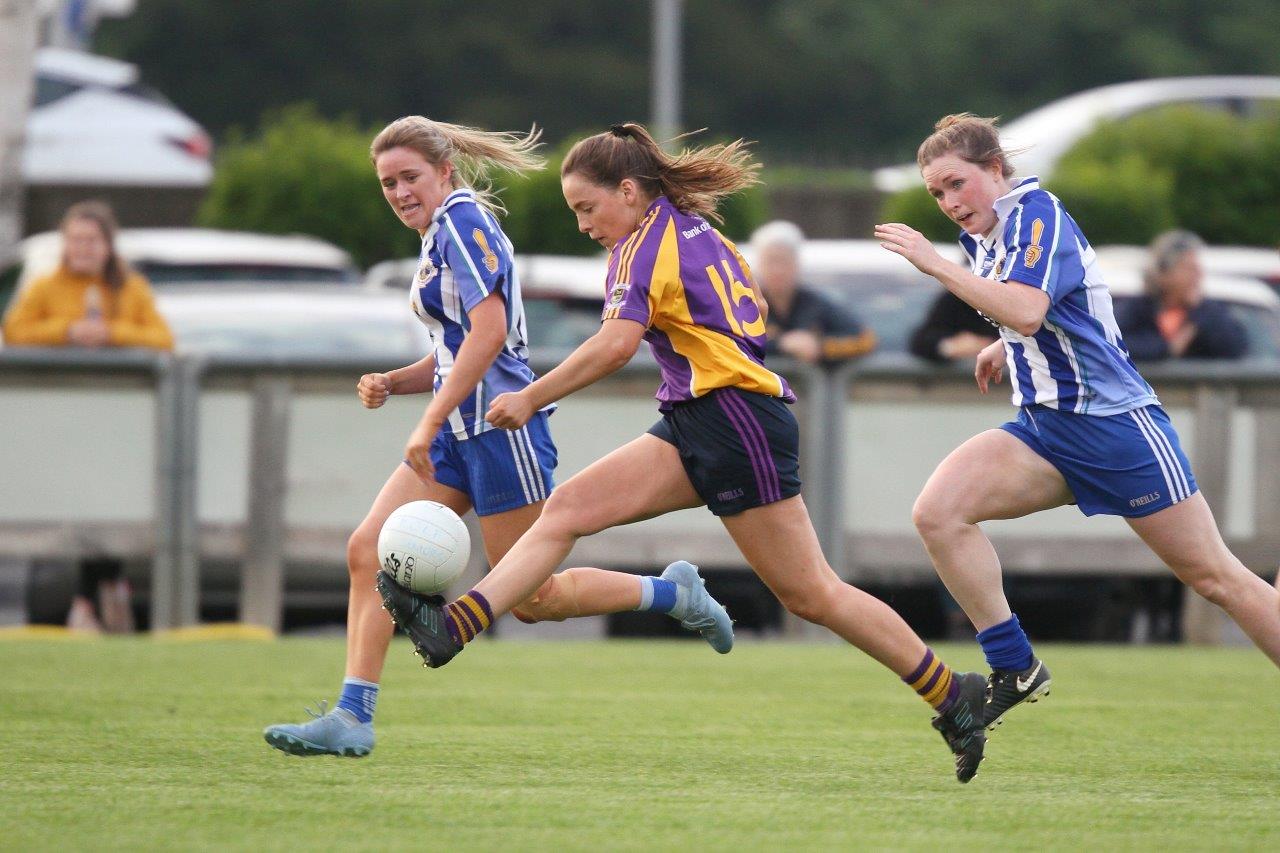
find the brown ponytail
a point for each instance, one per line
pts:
(694, 180)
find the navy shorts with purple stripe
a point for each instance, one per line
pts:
(740, 449)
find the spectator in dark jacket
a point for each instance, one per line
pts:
(803, 323)
(953, 330)
(1174, 319)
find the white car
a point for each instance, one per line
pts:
(312, 322)
(563, 295)
(94, 124)
(181, 256)
(1045, 134)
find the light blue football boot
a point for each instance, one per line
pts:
(334, 733)
(702, 613)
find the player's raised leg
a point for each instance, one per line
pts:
(1186, 538)
(587, 503)
(347, 729)
(992, 475)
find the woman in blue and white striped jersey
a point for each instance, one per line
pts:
(1090, 431)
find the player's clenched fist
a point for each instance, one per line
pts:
(510, 411)
(373, 389)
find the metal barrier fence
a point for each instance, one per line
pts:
(272, 461)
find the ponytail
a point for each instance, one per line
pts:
(694, 180)
(474, 153)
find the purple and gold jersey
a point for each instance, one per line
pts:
(690, 288)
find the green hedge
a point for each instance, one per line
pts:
(305, 174)
(915, 207)
(1214, 173)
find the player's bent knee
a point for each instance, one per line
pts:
(1209, 586)
(362, 552)
(555, 601)
(567, 513)
(934, 515)
(812, 604)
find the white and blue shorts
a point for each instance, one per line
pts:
(1129, 464)
(500, 470)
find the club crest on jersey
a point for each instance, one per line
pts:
(618, 294)
(426, 271)
(1033, 253)
(490, 259)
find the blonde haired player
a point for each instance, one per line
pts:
(467, 293)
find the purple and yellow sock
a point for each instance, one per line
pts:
(467, 617)
(934, 681)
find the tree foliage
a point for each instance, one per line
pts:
(823, 82)
(1212, 172)
(305, 174)
(301, 173)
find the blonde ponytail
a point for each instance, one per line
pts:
(474, 153)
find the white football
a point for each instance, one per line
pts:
(424, 546)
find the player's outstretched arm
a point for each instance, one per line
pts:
(603, 353)
(1019, 308)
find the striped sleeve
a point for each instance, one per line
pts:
(1034, 244)
(475, 251)
(632, 285)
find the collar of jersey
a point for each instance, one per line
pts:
(1004, 205)
(458, 195)
(463, 194)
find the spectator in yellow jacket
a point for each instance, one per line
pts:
(92, 299)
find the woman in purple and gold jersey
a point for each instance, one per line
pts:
(467, 293)
(727, 439)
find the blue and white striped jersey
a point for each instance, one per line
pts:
(465, 257)
(1076, 361)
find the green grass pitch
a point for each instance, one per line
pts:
(145, 744)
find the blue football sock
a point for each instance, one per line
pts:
(360, 697)
(660, 595)
(1006, 646)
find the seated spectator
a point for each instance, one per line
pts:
(952, 331)
(802, 323)
(1174, 319)
(91, 300)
